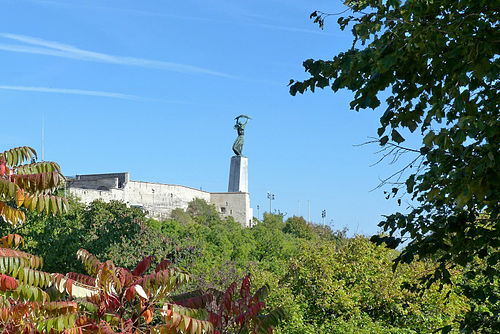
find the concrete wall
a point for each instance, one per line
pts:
(100, 181)
(157, 199)
(89, 195)
(160, 199)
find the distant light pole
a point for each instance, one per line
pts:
(308, 211)
(258, 212)
(271, 198)
(153, 191)
(323, 215)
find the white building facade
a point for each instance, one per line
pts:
(157, 199)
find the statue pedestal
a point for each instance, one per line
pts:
(238, 175)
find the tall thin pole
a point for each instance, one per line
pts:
(271, 197)
(308, 211)
(43, 130)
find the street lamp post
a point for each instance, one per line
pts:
(258, 212)
(271, 198)
(153, 191)
(323, 215)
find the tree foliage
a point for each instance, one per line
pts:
(28, 185)
(111, 299)
(353, 286)
(438, 66)
(220, 252)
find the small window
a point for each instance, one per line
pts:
(230, 212)
(226, 204)
(223, 210)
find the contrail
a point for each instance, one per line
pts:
(73, 91)
(56, 49)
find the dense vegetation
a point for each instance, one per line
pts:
(139, 297)
(431, 68)
(323, 280)
(440, 61)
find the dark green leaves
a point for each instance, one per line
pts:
(397, 137)
(436, 64)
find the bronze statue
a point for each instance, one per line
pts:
(240, 128)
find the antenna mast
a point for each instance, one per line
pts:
(43, 121)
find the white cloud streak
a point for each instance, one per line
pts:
(196, 18)
(291, 29)
(56, 49)
(73, 92)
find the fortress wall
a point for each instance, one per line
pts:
(122, 177)
(89, 195)
(158, 200)
(98, 184)
(161, 199)
(100, 181)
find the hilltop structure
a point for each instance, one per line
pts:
(158, 199)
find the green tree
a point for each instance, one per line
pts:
(110, 230)
(350, 287)
(438, 65)
(203, 211)
(298, 227)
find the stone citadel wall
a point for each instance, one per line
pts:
(157, 199)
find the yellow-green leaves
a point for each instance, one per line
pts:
(18, 155)
(11, 215)
(29, 185)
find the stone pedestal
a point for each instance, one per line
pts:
(238, 175)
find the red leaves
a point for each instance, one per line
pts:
(125, 276)
(245, 288)
(88, 280)
(130, 293)
(69, 286)
(164, 264)
(7, 283)
(143, 265)
(196, 302)
(245, 312)
(3, 166)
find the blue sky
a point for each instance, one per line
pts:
(152, 87)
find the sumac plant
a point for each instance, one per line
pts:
(108, 300)
(114, 299)
(239, 311)
(28, 185)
